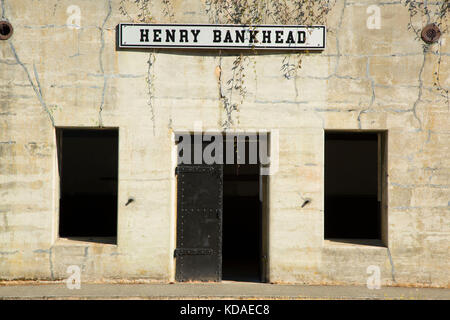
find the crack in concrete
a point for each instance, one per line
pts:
(105, 79)
(5, 221)
(338, 49)
(85, 259)
(392, 264)
(37, 89)
(8, 62)
(36, 76)
(62, 26)
(41, 251)
(50, 252)
(9, 252)
(419, 96)
(372, 98)
(150, 80)
(3, 9)
(421, 185)
(118, 75)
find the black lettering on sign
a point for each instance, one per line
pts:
(217, 35)
(144, 35)
(290, 38)
(240, 36)
(223, 36)
(266, 36)
(228, 37)
(301, 37)
(195, 34)
(156, 35)
(170, 35)
(278, 35)
(183, 35)
(253, 34)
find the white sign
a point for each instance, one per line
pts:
(202, 36)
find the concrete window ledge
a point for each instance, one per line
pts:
(87, 241)
(354, 243)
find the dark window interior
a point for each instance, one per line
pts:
(88, 167)
(352, 209)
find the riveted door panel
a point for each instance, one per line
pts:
(199, 223)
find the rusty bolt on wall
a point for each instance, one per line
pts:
(6, 30)
(430, 33)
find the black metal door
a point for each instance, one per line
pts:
(199, 223)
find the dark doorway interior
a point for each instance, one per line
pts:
(352, 204)
(242, 213)
(88, 167)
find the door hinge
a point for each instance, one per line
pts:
(192, 251)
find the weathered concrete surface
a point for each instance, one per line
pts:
(383, 79)
(225, 290)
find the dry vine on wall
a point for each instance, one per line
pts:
(141, 13)
(255, 12)
(283, 12)
(249, 12)
(425, 12)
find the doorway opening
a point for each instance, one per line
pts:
(242, 197)
(242, 218)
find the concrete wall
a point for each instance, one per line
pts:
(52, 75)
